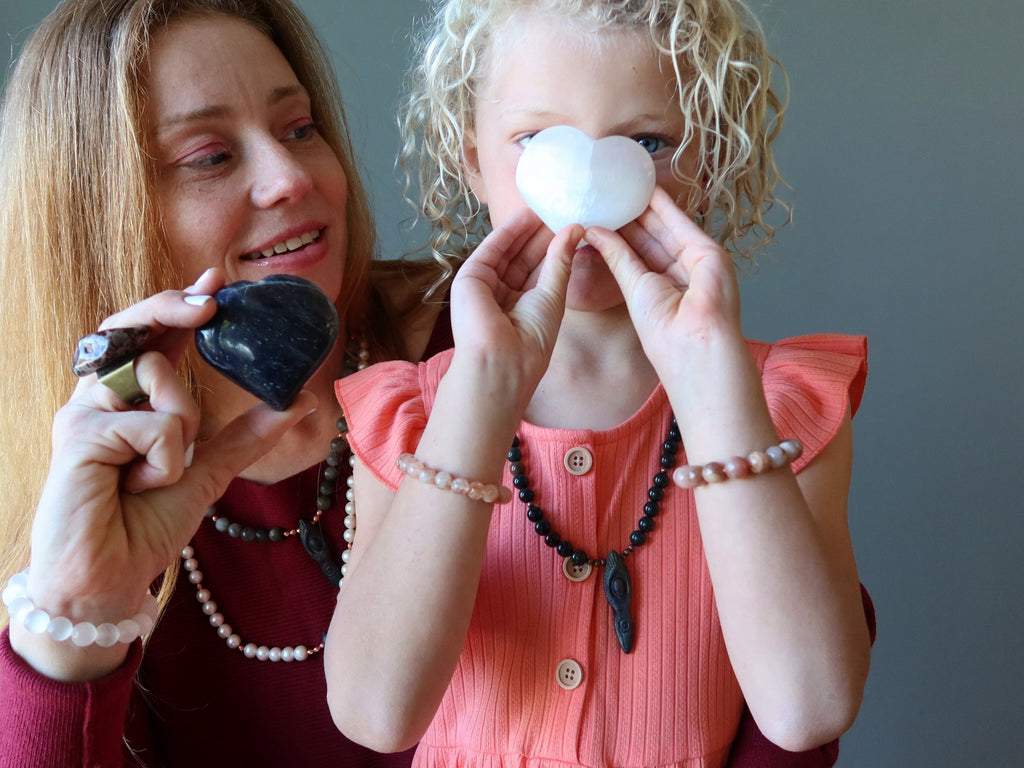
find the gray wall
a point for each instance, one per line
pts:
(904, 147)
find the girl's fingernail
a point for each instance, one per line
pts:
(198, 300)
(189, 452)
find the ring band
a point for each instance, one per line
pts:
(122, 382)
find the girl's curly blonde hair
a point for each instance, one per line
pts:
(723, 86)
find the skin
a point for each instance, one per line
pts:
(240, 168)
(663, 305)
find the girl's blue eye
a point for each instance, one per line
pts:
(652, 144)
(523, 140)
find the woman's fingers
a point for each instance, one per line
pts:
(217, 461)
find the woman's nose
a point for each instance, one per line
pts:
(278, 176)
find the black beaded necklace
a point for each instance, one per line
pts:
(617, 583)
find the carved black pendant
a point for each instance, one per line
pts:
(316, 546)
(618, 590)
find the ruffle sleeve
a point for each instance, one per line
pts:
(808, 382)
(386, 407)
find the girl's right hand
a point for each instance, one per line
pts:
(508, 299)
(121, 500)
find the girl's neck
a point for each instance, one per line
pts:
(598, 376)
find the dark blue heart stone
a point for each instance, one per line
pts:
(269, 337)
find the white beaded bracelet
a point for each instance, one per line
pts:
(60, 628)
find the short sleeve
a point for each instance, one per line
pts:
(808, 382)
(386, 407)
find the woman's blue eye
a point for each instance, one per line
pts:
(214, 158)
(303, 131)
(523, 140)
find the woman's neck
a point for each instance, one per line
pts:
(598, 376)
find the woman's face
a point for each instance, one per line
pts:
(245, 182)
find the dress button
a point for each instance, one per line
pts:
(569, 674)
(578, 460)
(575, 572)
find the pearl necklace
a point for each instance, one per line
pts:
(312, 540)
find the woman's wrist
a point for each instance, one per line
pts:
(68, 645)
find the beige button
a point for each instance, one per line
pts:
(569, 674)
(575, 572)
(578, 460)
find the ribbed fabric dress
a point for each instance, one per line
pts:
(674, 701)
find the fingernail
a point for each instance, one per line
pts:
(192, 288)
(197, 300)
(189, 452)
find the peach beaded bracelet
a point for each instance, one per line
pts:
(489, 493)
(756, 462)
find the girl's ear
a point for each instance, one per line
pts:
(471, 167)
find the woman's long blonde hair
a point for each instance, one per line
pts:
(78, 222)
(723, 87)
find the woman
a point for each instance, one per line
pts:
(149, 145)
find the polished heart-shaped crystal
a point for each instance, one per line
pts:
(568, 178)
(270, 336)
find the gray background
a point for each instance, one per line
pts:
(903, 143)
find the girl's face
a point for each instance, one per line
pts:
(244, 180)
(545, 72)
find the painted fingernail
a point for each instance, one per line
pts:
(189, 452)
(192, 288)
(198, 300)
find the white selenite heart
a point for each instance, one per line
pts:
(568, 178)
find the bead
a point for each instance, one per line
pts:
(792, 448)
(652, 508)
(349, 535)
(687, 476)
(263, 653)
(235, 530)
(224, 631)
(217, 620)
(187, 552)
(248, 534)
(249, 651)
(301, 653)
(534, 513)
(276, 534)
(713, 472)
(736, 468)
(209, 608)
(222, 524)
(107, 635)
(579, 557)
(59, 629)
(233, 642)
(83, 634)
(191, 564)
(661, 479)
(274, 654)
(564, 548)
(350, 521)
(636, 538)
(128, 630)
(542, 528)
(196, 577)
(777, 456)
(203, 595)
(645, 524)
(759, 462)
(36, 621)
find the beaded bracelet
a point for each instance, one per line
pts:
(489, 493)
(772, 457)
(83, 633)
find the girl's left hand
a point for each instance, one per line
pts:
(679, 285)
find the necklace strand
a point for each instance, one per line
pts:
(310, 532)
(617, 584)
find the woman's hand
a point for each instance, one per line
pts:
(508, 299)
(680, 285)
(126, 489)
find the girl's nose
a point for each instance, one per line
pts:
(278, 176)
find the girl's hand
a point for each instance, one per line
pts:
(679, 285)
(508, 298)
(120, 500)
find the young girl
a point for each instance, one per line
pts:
(641, 583)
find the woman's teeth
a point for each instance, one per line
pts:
(286, 246)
